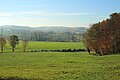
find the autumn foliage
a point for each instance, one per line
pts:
(104, 37)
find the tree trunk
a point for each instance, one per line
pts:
(2, 49)
(13, 49)
(88, 50)
(101, 52)
(24, 48)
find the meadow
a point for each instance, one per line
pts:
(46, 46)
(58, 65)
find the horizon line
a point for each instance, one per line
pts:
(44, 26)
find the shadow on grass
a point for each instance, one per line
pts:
(13, 78)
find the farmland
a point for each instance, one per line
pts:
(57, 65)
(46, 45)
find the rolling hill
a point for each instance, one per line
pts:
(11, 29)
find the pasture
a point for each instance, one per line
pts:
(58, 65)
(46, 45)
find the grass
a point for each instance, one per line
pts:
(47, 45)
(59, 66)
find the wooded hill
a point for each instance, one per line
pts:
(49, 33)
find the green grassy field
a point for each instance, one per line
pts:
(46, 45)
(58, 65)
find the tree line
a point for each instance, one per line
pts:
(46, 36)
(54, 37)
(104, 37)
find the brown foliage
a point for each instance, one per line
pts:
(104, 37)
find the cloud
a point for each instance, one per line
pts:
(41, 13)
(45, 13)
(32, 6)
(66, 14)
(5, 14)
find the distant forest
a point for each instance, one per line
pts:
(56, 34)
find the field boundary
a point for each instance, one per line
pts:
(61, 50)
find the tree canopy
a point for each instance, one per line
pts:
(13, 41)
(104, 37)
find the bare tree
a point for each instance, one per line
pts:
(2, 43)
(25, 40)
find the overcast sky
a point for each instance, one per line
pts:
(75, 13)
